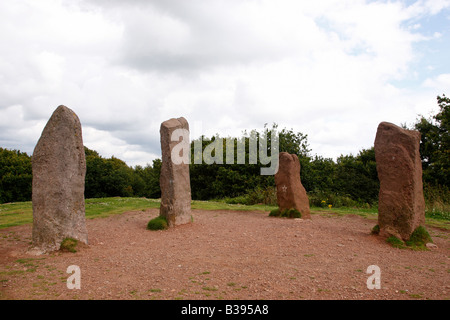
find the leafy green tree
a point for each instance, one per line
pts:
(317, 173)
(146, 180)
(15, 176)
(107, 177)
(435, 144)
(356, 177)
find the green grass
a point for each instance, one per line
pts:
(221, 205)
(104, 207)
(69, 244)
(395, 242)
(158, 223)
(371, 213)
(15, 214)
(20, 213)
(419, 238)
(288, 213)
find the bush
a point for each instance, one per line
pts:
(237, 200)
(275, 213)
(437, 204)
(267, 196)
(324, 199)
(158, 223)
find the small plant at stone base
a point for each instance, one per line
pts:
(158, 223)
(395, 242)
(417, 241)
(291, 213)
(288, 213)
(69, 244)
(375, 230)
(275, 213)
(419, 238)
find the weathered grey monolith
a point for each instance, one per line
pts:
(59, 169)
(290, 192)
(174, 179)
(401, 205)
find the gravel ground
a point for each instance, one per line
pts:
(226, 255)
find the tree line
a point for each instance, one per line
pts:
(350, 180)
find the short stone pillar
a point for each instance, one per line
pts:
(290, 192)
(174, 179)
(59, 169)
(401, 205)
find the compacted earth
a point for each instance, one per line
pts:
(226, 255)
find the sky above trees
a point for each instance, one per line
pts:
(330, 69)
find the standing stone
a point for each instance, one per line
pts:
(290, 192)
(59, 169)
(174, 179)
(401, 205)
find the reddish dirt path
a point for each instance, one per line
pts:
(226, 255)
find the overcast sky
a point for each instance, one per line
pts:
(331, 69)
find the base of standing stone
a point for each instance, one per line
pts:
(175, 217)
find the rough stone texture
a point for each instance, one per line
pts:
(174, 180)
(59, 169)
(401, 205)
(290, 192)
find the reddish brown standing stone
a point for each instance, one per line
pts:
(290, 192)
(174, 179)
(401, 205)
(59, 169)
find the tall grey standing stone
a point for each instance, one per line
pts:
(174, 179)
(59, 169)
(401, 205)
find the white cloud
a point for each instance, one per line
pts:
(325, 68)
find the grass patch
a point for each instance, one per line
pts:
(222, 205)
(69, 244)
(20, 213)
(158, 223)
(417, 241)
(15, 214)
(419, 238)
(288, 213)
(104, 207)
(395, 242)
(369, 213)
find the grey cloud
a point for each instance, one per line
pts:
(212, 35)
